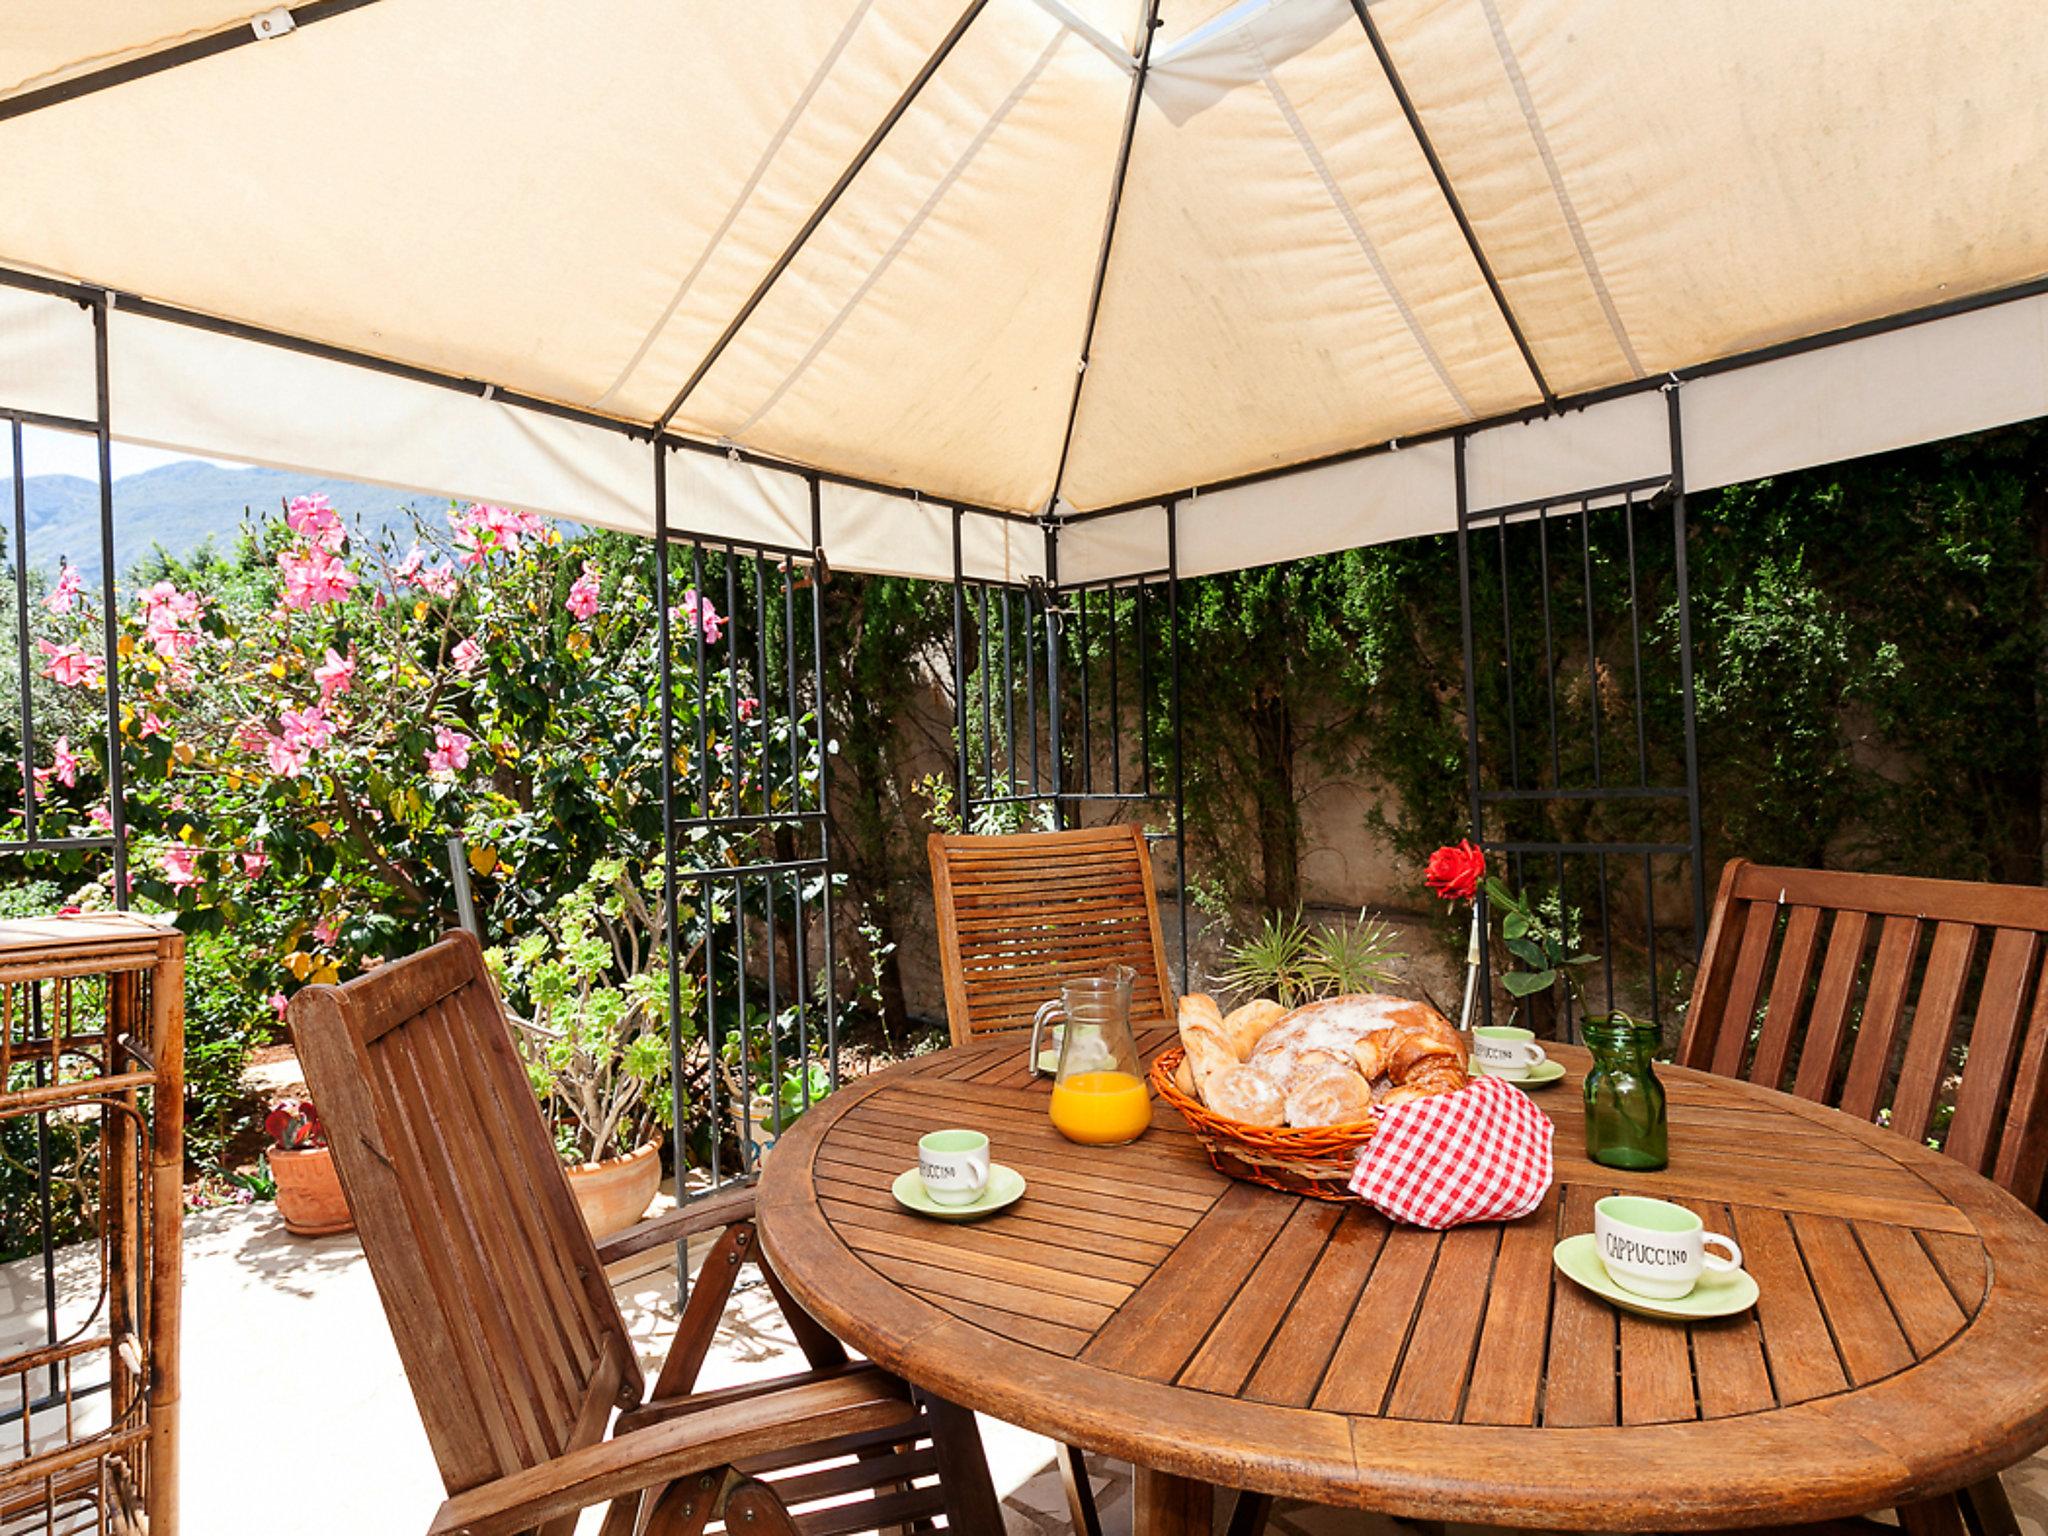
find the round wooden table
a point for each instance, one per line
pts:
(1139, 1304)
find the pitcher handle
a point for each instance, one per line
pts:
(1048, 1010)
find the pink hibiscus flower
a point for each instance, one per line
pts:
(327, 930)
(335, 675)
(583, 593)
(699, 611)
(279, 1002)
(64, 765)
(255, 862)
(70, 666)
(180, 867)
(306, 730)
(64, 596)
(313, 519)
(313, 577)
(286, 760)
(468, 655)
(170, 619)
(450, 751)
(750, 707)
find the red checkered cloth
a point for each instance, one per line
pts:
(1480, 1154)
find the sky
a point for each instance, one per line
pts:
(71, 453)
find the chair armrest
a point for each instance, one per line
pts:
(707, 1213)
(661, 1453)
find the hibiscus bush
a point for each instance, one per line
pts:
(307, 721)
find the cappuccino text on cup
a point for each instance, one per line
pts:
(1657, 1249)
(953, 1165)
(1506, 1052)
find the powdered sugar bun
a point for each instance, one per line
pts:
(1239, 1093)
(1336, 1097)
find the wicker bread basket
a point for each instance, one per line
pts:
(1312, 1160)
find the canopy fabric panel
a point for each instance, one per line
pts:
(878, 238)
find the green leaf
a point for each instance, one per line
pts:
(1515, 925)
(1527, 983)
(1528, 953)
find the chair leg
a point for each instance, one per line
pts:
(1080, 1493)
(1248, 1515)
(1989, 1510)
(684, 1508)
(963, 1467)
(753, 1510)
(1934, 1517)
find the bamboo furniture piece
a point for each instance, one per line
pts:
(1853, 990)
(509, 1332)
(1142, 1305)
(1018, 915)
(92, 1048)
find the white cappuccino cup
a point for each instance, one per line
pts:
(1658, 1249)
(953, 1165)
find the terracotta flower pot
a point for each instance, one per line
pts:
(615, 1193)
(309, 1192)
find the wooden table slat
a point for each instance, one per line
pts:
(1507, 1372)
(1580, 1388)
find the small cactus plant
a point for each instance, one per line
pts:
(293, 1125)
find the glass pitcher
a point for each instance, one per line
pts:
(1099, 1093)
(1625, 1121)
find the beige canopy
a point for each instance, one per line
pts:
(1030, 256)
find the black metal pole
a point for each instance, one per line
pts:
(819, 578)
(117, 786)
(966, 803)
(1687, 697)
(1180, 793)
(21, 661)
(671, 939)
(1471, 708)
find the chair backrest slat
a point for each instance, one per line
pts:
(1788, 997)
(1935, 1018)
(1018, 915)
(1828, 1026)
(1884, 1006)
(508, 1333)
(1946, 1011)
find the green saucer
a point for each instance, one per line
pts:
(1005, 1185)
(1542, 1075)
(1715, 1295)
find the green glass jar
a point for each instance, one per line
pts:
(1625, 1124)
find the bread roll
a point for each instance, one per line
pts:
(1245, 1027)
(1239, 1093)
(1200, 1008)
(1338, 1097)
(1415, 1050)
(1306, 1066)
(1336, 1024)
(1207, 1054)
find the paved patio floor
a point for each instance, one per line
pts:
(296, 1407)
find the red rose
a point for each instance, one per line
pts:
(1455, 870)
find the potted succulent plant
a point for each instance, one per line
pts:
(309, 1196)
(592, 1040)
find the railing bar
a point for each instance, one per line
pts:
(28, 741)
(761, 675)
(1635, 640)
(983, 666)
(1009, 693)
(1592, 642)
(1116, 775)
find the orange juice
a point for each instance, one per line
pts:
(1101, 1108)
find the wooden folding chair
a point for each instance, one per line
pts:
(511, 1337)
(1849, 990)
(1019, 915)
